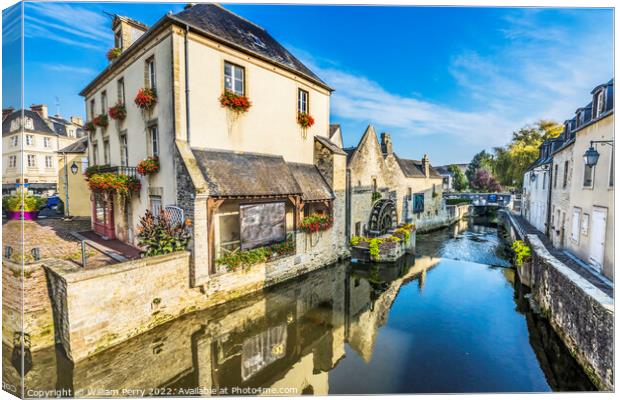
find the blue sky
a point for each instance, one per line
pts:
(446, 81)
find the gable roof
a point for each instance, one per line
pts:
(413, 168)
(311, 182)
(333, 147)
(79, 146)
(369, 134)
(222, 25)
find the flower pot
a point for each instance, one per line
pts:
(25, 215)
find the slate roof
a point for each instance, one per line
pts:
(38, 123)
(333, 147)
(245, 174)
(311, 182)
(223, 25)
(413, 168)
(79, 146)
(333, 128)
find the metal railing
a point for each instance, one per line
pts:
(130, 171)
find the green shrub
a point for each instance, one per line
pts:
(376, 196)
(247, 258)
(522, 252)
(22, 201)
(159, 236)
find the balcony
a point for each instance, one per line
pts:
(119, 170)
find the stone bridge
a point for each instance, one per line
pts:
(500, 200)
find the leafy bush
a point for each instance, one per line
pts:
(159, 236)
(22, 201)
(247, 258)
(376, 196)
(375, 245)
(522, 252)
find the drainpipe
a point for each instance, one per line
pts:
(347, 202)
(548, 229)
(64, 155)
(187, 124)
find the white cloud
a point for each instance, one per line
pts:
(72, 69)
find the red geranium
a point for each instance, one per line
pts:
(235, 102)
(146, 98)
(118, 112)
(305, 120)
(101, 120)
(315, 223)
(148, 166)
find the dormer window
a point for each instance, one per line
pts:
(118, 39)
(599, 103)
(29, 123)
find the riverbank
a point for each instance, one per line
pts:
(579, 311)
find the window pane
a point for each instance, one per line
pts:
(238, 73)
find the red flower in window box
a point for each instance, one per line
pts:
(121, 184)
(101, 120)
(118, 112)
(235, 102)
(315, 223)
(148, 166)
(146, 98)
(113, 53)
(305, 120)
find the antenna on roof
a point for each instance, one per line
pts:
(57, 106)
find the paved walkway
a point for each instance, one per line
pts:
(112, 246)
(590, 276)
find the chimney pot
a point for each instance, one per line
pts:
(40, 109)
(386, 144)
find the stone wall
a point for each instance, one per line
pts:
(579, 312)
(26, 309)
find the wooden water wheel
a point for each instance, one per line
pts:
(382, 217)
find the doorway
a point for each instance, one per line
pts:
(597, 238)
(103, 216)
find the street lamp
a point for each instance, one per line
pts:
(590, 157)
(74, 168)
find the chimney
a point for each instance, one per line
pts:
(77, 120)
(6, 112)
(40, 109)
(426, 166)
(386, 144)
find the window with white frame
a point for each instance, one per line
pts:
(47, 142)
(150, 73)
(12, 161)
(155, 204)
(104, 102)
(32, 160)
(303, 101)
(48, 162)
(30, 140)
(120, 90)
(154, 140)
(588, 176)
(576, 222)
(600, 103)
(234, 78)
(124, 152)
(14, 140)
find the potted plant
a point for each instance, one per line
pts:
(146, 99)
(113, 53)
(23, 206)
(235, 102)
(148, 166)
(118, 111)
(305, 120)
(101, 120)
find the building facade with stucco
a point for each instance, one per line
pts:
(225, 170)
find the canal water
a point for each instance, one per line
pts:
(452, 319)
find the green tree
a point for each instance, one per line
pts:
(511, 161)
(482, 160)
(459, 181)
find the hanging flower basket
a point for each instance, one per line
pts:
(146, 99)
(315, 223)
(305, 120)
(90, 126)
(113, 53)
(234, 102)
(101, 120)
(118, 112)
(107, 182)
(148, 166)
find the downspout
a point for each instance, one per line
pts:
(64, 155)
(347, 201)
(548, 230)
(187, 123)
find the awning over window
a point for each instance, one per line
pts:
(236, 174)
(231, 174)
(311, 181)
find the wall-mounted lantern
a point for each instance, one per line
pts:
(590, 157)
(74, 168)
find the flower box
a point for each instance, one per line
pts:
(121, 184)
(101, 120)
(235, 102)
(315, 223)
(25, 215)
(113, 53)
(146, 99)
(148, 166)
(118, 112)
(305, 120)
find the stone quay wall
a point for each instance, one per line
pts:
(26, 309)
(581, 314)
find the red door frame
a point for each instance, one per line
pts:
(104, 228)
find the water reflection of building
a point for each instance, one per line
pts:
(287, 337)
